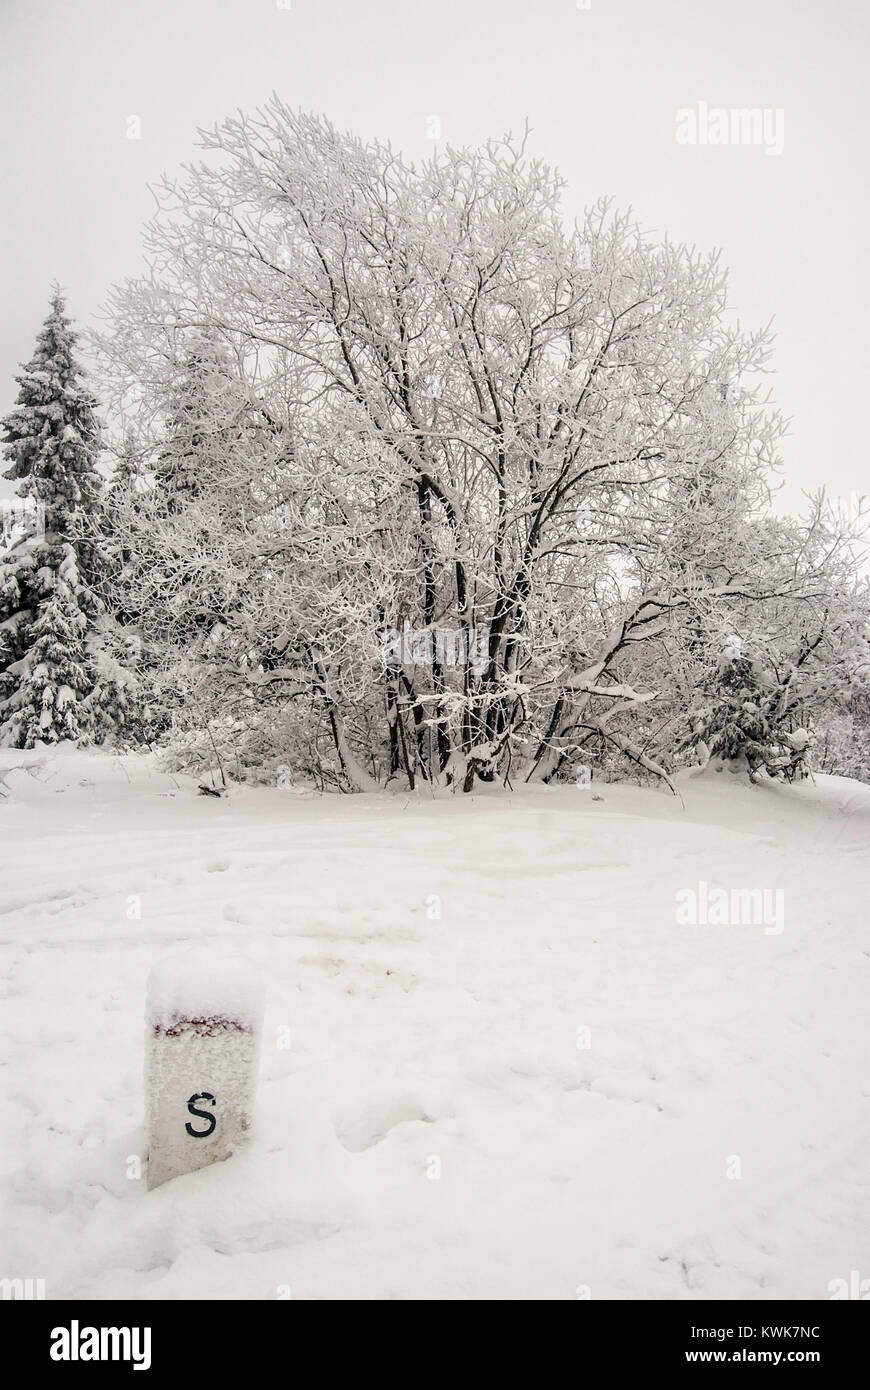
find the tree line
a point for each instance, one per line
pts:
(352, 398)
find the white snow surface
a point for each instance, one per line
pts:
(438, 1127)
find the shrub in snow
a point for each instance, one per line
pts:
(749, 719)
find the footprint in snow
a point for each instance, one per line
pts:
(362, 1130)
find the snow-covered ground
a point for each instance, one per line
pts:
(511, 1074)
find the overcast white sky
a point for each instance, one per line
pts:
(600, 87)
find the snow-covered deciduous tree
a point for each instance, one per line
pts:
(540, 451)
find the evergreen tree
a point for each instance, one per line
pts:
(127, 475)
(205, 418)
(51, 433)
(48, 611)
(162, 526)
(201, 489)
(751, 717)
(55, 678)
(18, 569)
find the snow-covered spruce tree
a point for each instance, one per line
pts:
(202, 422)
(741, 724)
(545, 444)
(127, 473)
(175, 503)
(206, 424)
(122, 697)
(51, 433)
(56, 676)
(50, 686)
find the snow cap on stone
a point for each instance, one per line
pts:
(199, 983)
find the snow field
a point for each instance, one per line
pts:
(493, 1065)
